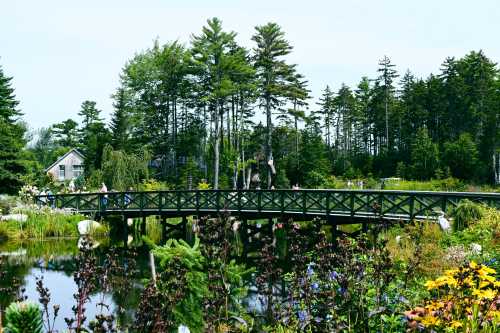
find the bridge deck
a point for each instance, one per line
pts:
(347, 206)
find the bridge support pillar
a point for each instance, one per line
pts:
(184, 226)
(364, 227)
(125, 231)
(143, 225)
(270, 223)
(335, 231)
(164, 227)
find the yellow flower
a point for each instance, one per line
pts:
(484, 284)
(431, 285)
(488, 278)
(456, 324)
(429, 320)
(473, 265)
(486, 293)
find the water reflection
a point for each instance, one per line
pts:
(54, 261)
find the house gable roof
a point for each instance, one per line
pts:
(74, 150)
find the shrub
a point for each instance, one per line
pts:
(23, 317)
(465, 213)
(152, 184)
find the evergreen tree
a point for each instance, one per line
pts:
(119, 124)
(273, 76)
(94, 136)
(66, 133)
(12, 140)
(326, 112)
(386, 80)
(213, 52)
(424, 156)
(461, 157)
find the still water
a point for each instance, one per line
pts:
(54, 261)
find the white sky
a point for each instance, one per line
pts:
(61, 53)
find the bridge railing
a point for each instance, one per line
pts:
(406, 205)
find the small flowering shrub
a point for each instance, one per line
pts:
(465, 299)
(28, 192)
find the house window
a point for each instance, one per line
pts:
(62, 172)
(77, 171)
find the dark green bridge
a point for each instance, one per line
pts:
(337, 206)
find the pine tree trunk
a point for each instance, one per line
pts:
(269, 141)
(216, 149)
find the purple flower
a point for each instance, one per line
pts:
(310, 270)
(315, 286)
(302, 316)
(334, 276)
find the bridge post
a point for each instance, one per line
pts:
(163, 227)
(184, 226)
(125, 230)
(335, 231)
(143, 225)
(364, 227)
(270, 223)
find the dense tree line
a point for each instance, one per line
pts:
(240, 117)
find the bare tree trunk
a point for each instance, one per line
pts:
(216, 149)
(269, 142)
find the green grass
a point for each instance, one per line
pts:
(447, 184)
(41, 224)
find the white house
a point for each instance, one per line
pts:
(67, 167)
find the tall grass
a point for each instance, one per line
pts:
(41, 224)
(466, 213)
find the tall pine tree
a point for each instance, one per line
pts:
(11, 138)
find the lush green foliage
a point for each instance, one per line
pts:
(194, 108)
(465, 213)
(12, 164)
(23, 317)
(123, 171)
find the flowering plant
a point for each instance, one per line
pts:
(465, 299)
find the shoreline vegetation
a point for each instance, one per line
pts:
(39, 223)
(394, 282)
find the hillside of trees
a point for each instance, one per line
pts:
(217, 111)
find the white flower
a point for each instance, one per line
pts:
(476, 248)
(183, 329)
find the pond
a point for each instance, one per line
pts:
(24, 263)
(54, 261)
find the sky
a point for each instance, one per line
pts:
(62, 52)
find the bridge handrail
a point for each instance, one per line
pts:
(401, 192)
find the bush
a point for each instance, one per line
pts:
(465, 213)
(152, 184)
(23, 317)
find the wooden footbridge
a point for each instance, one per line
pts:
(336, 206)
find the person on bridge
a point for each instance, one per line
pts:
(104, 198)
(128, 197)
